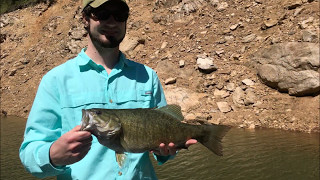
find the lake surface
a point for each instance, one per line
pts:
(248, 154)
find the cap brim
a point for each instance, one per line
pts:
(97, 3)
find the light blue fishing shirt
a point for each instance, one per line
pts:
(80, 84)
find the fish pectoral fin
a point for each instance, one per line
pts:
(172, 110)
(120, 158)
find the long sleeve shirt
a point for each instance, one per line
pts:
(80, 84)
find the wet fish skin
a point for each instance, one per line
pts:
(140, 130)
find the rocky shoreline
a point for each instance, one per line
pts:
(248, 64)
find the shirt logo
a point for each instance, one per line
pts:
(148, 93)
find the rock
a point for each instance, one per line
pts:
(222, 6)
(257, 104)
(224, 107)
(170, 81)
(77, 33)
(297, 12)
(269, 23)
(6, 19)
(156, 18)
(304, 23)
(230, 86)
(234, 27)
(215, 121)
(220, 86)
(74, 45)
(249, 38)
(211, 77)
(290, 67)
(241, 126)
(166, 3)
(53, 23)
(181, 63)
(183, 97)
(235, 56)
(219, 52)
(221, 93)
(24, 61)
(203, 32)
(308, 36)
(294, 5)
(206, 65)
(164, 45)
(190, 117)
(252, 126)
(250, 97)
(248, 82)
(187, 6)
(228, 38)
(238, 96)
(129, 43)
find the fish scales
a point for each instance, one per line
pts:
(140, 130)
(145, 129)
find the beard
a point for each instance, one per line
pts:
(110, 42)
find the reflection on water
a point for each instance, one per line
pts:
(258, 155)
(12, 129)
(255, 154)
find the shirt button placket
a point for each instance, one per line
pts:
(107, 95)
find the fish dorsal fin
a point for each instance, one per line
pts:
(172, 110)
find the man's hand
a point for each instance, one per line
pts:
(70, 147)
(170, 149)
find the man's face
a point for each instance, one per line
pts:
(107, 26)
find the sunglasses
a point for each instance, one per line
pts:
(119, 16)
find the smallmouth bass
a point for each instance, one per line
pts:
(140, 130)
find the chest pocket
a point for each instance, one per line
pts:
(83, 100)
(135, 98)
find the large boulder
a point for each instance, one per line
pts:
(290, 67)
(183, 97)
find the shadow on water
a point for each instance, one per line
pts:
(11, 5)
(248, 155)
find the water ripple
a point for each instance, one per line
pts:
(257, 154)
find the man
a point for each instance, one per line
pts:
(99, 77)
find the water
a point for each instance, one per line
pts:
(12, 129)
(248, 155)
(257, 154)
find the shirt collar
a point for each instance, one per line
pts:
(85, 61)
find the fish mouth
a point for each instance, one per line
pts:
(88, 124)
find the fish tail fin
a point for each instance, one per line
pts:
(213, 137)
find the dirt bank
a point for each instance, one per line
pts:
(170, 36)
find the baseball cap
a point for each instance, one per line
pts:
(97, 3)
